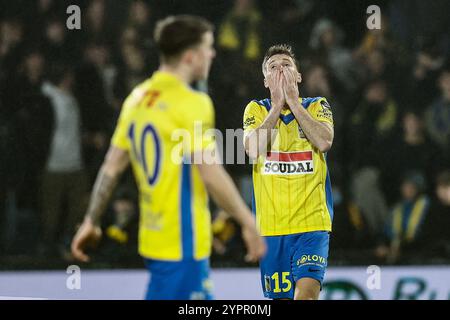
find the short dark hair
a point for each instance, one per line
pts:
(279, 49)
(174, 34)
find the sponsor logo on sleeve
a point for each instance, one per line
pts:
(249, 121)
(325, 104)
(325, 112)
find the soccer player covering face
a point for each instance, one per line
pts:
(175, 224)
(288, 138)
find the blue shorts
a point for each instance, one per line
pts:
(183, 280)
(290, 258)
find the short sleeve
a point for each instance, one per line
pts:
(120, 136)
(321, 111)
(253, 117)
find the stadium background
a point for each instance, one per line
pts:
(389, 90)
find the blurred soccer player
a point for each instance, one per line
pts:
(292, 189)
(175, 225)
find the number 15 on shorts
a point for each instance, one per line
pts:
(280, 284)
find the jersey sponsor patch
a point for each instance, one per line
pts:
(249, 121)
(325, 112)
(288, 163)
(325, 104)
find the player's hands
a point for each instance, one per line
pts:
(88, 235)
(277, 96)
(256, 246)
(290, 87)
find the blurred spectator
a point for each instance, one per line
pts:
(65, 181)
(372, 121)
(413, 20)
(421, 89)
(240, 32)
(405, 220)
(11, 45)
(367, 196)
(317, 83)
(28, 144)
(350, 228)
(139, 18)
(296, 16)
(435, 238)
(326, 42)
(413, 144)
(236, 78)
(95, 25)
(55, 39)
(137, 33)
(438, 114)
(381, 40)
(377, 65)
(131, 72)
(95, 77)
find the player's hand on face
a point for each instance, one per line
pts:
(291, 92)
(256, 245)
(88, 235)
(275, 81)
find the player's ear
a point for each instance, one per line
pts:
(266, 85)
(187, 56)
(299, 77)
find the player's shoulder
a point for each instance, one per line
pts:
(308, 102)
(202, 97)
(136, 95)
(258, 105)
(196, 101)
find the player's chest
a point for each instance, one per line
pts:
(290, 137)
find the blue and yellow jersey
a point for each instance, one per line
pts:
(175, 221)
(407, 218)
(292, 188)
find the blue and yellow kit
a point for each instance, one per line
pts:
(292, 198)
(175, 223)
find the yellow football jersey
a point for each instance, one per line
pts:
(175, 222)
(292, 188)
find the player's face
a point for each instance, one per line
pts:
(443, 193)
(278, 61)
(204, 54)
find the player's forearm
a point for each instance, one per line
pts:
(225, 194)
(257, 141)
(116, 161)
(104, 186)
(319, 134)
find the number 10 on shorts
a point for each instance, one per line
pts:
(284, 286)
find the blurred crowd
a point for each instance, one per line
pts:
(61, 92)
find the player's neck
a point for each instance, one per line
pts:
(177, 71)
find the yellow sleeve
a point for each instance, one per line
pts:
(198, 121)
(120, 136)
(321, 111)
(253, 117)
